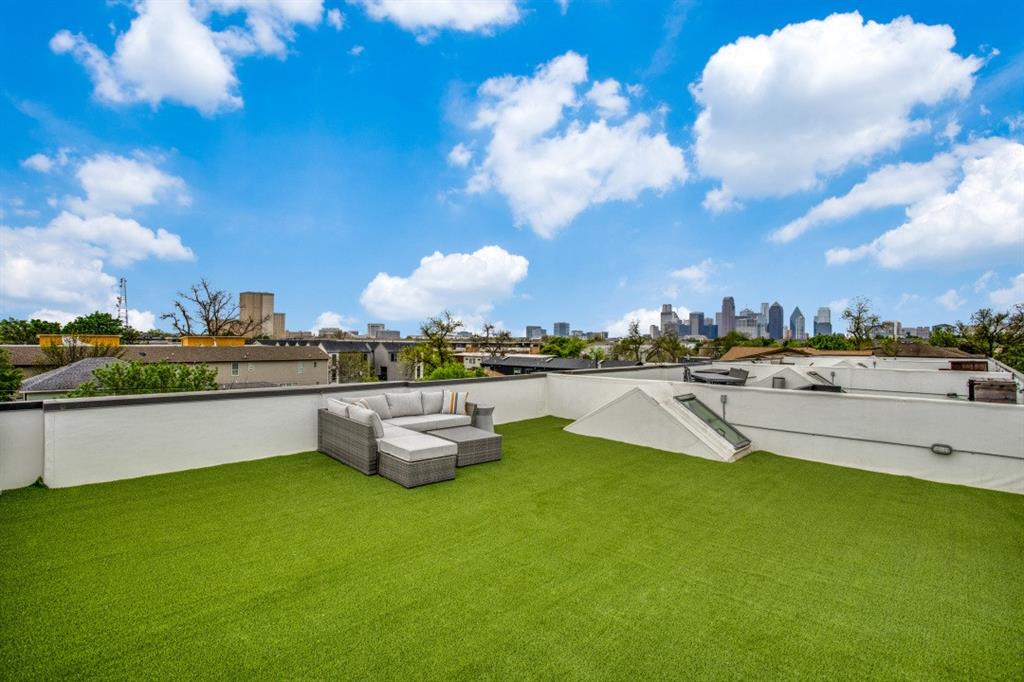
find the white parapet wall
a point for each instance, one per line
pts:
(81, 441)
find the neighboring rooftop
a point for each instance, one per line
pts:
(908, 350)
(571, 558)
(66, 378)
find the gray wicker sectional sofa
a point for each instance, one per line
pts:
(386, 434)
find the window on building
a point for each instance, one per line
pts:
(301, 367)
(394, 357)
(234, 369)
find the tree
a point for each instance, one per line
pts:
(72, 350)
(453, 370)
(438, 332)
(26, 331)
(419, 355)
(95, 323)
(203, 310)
(126, 378)
(10, 376)
(830, 342)
(986, 332)
(944, 337)
(564, 347)
(631, 346)
(594, 353)
(354, 367)
(666, 348)
(861, 321)
(494, 342)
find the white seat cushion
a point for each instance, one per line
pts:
(432, 402)
(430, 422)
(415, 447)
(405, 404)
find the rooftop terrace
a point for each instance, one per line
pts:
(571, 557)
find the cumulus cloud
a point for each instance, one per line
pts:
(60, 267)
(170, 52)
(607, 96)
(550, 163)
(118, 184)
(356, 50)
(645, 316)
(982, 219)
(44, 164)
(982, 282)
(426, 19)
(951, 300)
(336, 20)
(143, 320)
(779, 112)
(472, 282)
(329, 318)
(696, 276)
(460, 156)
(1009, 296)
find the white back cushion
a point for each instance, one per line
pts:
(405, 404)
(367, 416)
(377, 403)
(337, 407)
(432, 401)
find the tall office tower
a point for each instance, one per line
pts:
(775, 321)
(257, 308)
(696, 323)
(727, 322)
(764, 314)
(669, 320)
(747, 324)
(534, 332)
(374, 329)
(823, 321)
(655, 331)
(796, 325)
(561, 329)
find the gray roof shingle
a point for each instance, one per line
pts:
(66, 378)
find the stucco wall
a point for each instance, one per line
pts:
(21, 447)
(280, 373)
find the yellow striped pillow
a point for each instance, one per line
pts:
(453, 402)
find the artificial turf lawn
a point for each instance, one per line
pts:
(573, 557)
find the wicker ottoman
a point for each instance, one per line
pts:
(416, 459)
(475, 445)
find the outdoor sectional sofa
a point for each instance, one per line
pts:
(412, 438)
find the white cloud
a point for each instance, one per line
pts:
(1010, 296)
(143, 320)
(607, 96)
(720, 200)
(982, 219)
(983, 110)
(951, 130)
(982, 282)
(781, 111)
(551, 169)
(50, 315)
(356, 50)
(906, 298)
(951, 300)
(696, 276)
(329, 318)
(425, 19)
(470, 281)
(170, 52)
(61, 266)
(1015, 122)
(460, 156)
(645, 316)
(839, 305)
(38, 162)
(336, 20)
(563, 5)
(117, 184)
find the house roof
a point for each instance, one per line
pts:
(543, 362)
(248, 353)
(23, 355)
(66, 378)
(751, 352)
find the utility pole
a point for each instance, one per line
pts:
(122, 300)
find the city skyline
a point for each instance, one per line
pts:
(350, 159)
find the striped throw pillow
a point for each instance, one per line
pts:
(453, 402)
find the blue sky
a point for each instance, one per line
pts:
(583, 162)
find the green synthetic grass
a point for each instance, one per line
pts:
(572, 558)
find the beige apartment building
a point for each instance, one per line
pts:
(254, 306)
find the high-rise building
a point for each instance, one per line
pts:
(561, 329)
(374, 329)
(727, 321)
(764, 315)
(534, 332)
(655, 331)
(775, 321)
(696, 323)
(748, 324)
(669, 320)
(823, 321)
(796, 325)
(256, 308)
